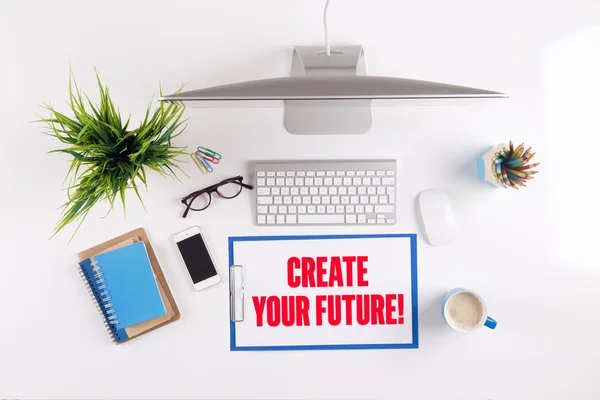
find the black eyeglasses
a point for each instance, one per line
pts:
(227, 189)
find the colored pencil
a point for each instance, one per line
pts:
(526, 167)
(510, 145)
(511, 167)
(516, 173)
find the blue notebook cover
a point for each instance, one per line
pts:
(125, 286)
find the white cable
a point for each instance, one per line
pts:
(327, 47)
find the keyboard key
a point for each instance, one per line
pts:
(301, 209)
(282, 209)
(330, 173)
(261, 209)
(390, 220)
(360, 209)
(384, 209)
(370, 173)
(280, 173)
(260, 182)
(321, 219)
(303, 190)
(335, 199)
(383, 199)
(287, 200)
(380, 190)
(360, 173)
(299, 182)
(345, 200)
(270, 181)
(369, 209)
(314, 190)
(333, 190)
(342, 190)
(311, 209)
(350, 209)
(362, 219)
(310, 173)
(280, 181)
(296, 200)
(379, 216)
(371, 190)
(272, 209)
(275, 191)
(350, 173)
(322, 190)
(270, 219)
(309, 181)
(262, 219)
(271, 173)
(306, 200)
(263, 191)
(316, 200)
(326, 200)
(387, 181)
(292, 209)
(291, 173)
(330, 209)
(366, 181)
(285, 191)
(337, 181)
(380, 221)
(350, 219)
(320, 173)
(370, 221)
(264, 200)
(289, 181)
(390, 173)
(278, 200)
(318, 181)
(339, 173)
(373, 199)
(362, 190)
(376, 181)
(321, 209)
(364, 199)
(353, 199)
(339, 209)
(290, 219)
(356, 181)
(294, 191)
(328, 181)
(300, 173)
(281, 219)
(347, 181)
(352, 190)
(391, 198)
(260, 173)
(380, 173)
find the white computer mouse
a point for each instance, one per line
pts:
(438, 219)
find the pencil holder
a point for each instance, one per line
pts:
(505, 166)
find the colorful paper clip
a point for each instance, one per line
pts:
(208, 157)
(209, 152)
(206, 164)
(199, 163)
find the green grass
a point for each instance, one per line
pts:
(108, 156)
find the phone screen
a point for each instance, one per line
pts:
(196, 258)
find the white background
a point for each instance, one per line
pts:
(532, 255)
(265, 274)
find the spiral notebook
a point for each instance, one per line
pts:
(172, 312)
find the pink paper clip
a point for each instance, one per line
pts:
(208, 157)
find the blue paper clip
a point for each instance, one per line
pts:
(206, 164)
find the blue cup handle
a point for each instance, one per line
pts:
(490, 323)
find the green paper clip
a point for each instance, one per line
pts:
(209, 152)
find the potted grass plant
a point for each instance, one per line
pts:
(109, 156)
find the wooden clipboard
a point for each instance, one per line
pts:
(173, 313)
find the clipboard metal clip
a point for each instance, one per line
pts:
(237, 292)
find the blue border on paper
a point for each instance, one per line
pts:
(414, 295)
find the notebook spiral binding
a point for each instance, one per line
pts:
(101, 298)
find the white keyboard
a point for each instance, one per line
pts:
(325, 192)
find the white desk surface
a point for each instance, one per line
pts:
(531, 254)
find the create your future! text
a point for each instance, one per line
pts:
(332, 309)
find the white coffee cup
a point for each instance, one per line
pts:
(465, 311)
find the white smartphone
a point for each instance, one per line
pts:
(196, 257)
